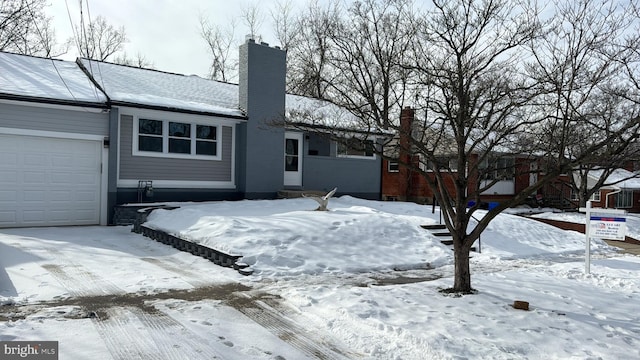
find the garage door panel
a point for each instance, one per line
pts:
(49, 181)
(8, 159)
(8, 195)
(34, 195)
(35, 160)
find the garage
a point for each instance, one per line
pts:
(49, 181)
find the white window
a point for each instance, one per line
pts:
(624, 199)
(163, 138)
(356, 148)
(596, 196)
(393, 166)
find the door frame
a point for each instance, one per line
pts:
(293, 178)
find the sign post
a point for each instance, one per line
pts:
(602, 227)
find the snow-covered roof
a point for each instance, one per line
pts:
(618, 179)
(131, 85)
(315, 113)
(56, 80)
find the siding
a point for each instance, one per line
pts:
(152, 168)
(54, 119)
(358, 177)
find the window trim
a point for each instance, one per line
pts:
(165, 139)
(596, 196)
(397, 166)
(624, 206)
(363, 157)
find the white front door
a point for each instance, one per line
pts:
(292, 159)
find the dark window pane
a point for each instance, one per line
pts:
(291, 163)
(291, 147)
(206, 132)
(206, 148)
(150, 143)
(151, 127)
(179, 146)
(179, 129)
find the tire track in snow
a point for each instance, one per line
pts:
(300, 337)
(185, 275)
(78, 281)
(132, 333)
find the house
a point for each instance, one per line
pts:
(162, 137)
(623, 191)
(515, 173)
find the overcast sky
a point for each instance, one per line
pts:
(165, 32)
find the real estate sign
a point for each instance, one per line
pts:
(610, 228)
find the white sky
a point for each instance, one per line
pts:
(165, 32)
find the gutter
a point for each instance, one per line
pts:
(606, 201)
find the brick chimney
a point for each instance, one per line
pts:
(407, 116)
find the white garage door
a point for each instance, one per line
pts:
(49, 181)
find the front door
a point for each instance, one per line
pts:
(292, 159)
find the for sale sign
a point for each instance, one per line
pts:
(610, 228)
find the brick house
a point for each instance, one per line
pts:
(404, 183)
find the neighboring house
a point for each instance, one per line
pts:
(401, 183)
(162, 137)
(623, 193)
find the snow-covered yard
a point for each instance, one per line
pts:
(358, 282)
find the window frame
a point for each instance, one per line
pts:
(342, 143)
(396, 165)
(452, 163)
(622, 203)
(193, 139)
(596, 196)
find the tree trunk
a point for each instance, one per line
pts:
(462, 275)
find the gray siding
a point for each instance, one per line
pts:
(357, 177)
(262, 94)
(52, 119)
(153, 168)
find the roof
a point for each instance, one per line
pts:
(309, 113)
(618, 179)
(127, 85)
(25, 77)
(41, 79)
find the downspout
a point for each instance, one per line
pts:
(606, 201)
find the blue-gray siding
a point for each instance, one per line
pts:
(153, 168)
(262, 94)
(54, 119)
(358, 177)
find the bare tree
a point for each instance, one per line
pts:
(253, 19)
(220, 42)
(99, 40)
(308, 59)
(579, 64)
(139, 60)
(24, 29)
(471, 77)
(286, 27)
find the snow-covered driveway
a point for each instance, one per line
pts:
(104, 292)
